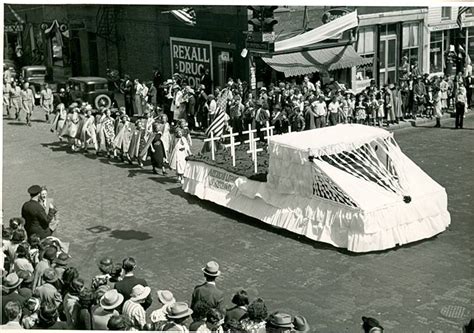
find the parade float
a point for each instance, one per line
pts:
(347, 185)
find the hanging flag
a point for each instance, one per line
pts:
(217, 126)
(461, 12)
(186, 15)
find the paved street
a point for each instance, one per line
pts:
(108, 208)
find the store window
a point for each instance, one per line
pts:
(436, 52)
(365, 48)
(446, 13)
(411, 42)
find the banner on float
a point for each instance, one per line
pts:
(190, 58)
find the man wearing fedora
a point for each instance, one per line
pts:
(36, 219)
(166, 298)
(179, 312)
(129, 281)
(133, 308)
(279, 322)
(107, 308)
(208, 291)
(47, 292)
(10, 293)
(12, 312)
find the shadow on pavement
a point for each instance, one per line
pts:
(130, 234)
(58, 146)
(16, 123)
(165, 179)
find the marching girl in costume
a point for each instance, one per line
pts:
(70, 127)
(89, 132)
(122, 139)
(178, 157)
(80, 125)
(137, 140)
(164, 128)
(106, 132)
(59, 120)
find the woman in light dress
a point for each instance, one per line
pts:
(181, 150)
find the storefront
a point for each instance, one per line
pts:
(444, 35)
(387, 37)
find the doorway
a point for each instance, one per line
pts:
(388, 59)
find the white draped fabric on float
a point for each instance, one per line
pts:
(347, 185)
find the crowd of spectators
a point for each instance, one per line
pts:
(42, 290)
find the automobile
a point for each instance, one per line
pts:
(91, 89)
(36, 77)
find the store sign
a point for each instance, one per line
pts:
(14, 27)
(451, 26)
(190, 58)
(221, 180)
(332, 14)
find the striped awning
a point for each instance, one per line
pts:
(306, 62)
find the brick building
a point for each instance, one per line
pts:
(88, 39)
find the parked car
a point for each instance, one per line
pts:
(36, 77)
(94, 90)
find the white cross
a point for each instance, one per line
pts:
(289, 128)
(232, 144)
(213, 147)
(254, 150)
(250, 133)
(269, 130)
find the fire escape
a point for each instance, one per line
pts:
(106, 23)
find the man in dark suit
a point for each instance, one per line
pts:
(127, 90)
(129, 281)
(36, 219)
(208, 292)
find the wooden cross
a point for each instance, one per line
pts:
(254, 150)
(269, 130)
(232, 144)
(250, 133)
(213, 147)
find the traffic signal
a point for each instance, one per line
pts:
(268, 21)
(257, 18)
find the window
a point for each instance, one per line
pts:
(411, 41)
(436, 52)
(445, 13)
(365, 48)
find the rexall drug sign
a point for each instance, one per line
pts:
(190, 58)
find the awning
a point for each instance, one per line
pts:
(306, 62)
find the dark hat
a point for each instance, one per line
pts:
(369, 323)
(300, 324)
(50, 253)
(34, 190)
(50, 276)
(62, 259)
(281, 320)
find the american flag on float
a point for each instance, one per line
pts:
(217, 125)
(186, 15)
(461, 12)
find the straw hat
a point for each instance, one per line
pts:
(166, 297)
(211, 269)
(139, 293)
(179, 310)
(111, 299)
